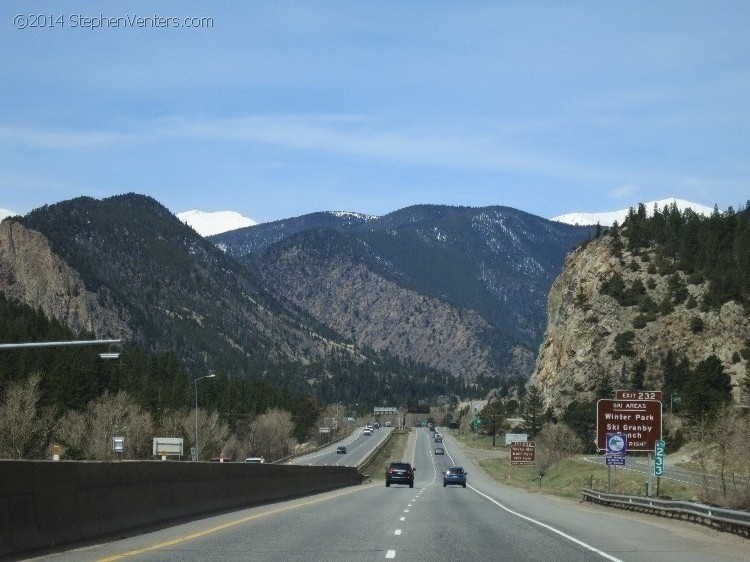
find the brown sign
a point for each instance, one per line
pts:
(522, 454)
(640, 420)
(638, 395)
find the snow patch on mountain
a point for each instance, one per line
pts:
(208, 224)
(608, 218)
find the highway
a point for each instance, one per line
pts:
(485, 521)
(671, 471)
(358, 446)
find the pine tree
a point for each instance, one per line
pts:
(493, 417)
(708, 388)
(533, 411)
(639, 372)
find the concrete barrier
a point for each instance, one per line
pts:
(46, 504)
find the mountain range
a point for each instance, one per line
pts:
(458, 288)
(454, 290)
(608, 218)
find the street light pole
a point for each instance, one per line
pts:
(197, 453)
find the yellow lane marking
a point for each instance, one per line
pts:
(414, 448)
(228, 525)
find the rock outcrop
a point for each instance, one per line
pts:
(581, 341)
(32, 273)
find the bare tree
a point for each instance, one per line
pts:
(212, 432)
(73, 433)
(270, 434)
(722, 452)
(554, 443)
(24, 426)
(89, 434)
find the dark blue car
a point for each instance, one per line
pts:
(454, 476)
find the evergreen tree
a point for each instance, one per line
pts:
(639, 372)
(744, 386)
(533, 411)
(581, 417)
(604, 386)
(708, 388)
(493, 417)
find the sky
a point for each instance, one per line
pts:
(278, 109)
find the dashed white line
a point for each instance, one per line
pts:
(403, 518)
(398, 532)
(390, 554)
(406, 511)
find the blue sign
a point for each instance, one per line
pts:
(617, 447)
(617, 443)
(616, 460)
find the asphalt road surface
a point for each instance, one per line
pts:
(485, 521)
(671, 471)
(358, 446)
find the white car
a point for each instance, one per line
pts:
(367, 431)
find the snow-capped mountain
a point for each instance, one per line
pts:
(207, 224)
(608, 218)
(6, 213)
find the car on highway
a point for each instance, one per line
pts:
(341, 450)
(399, 473)
(367, 431)
(454, 476)
(439, 451)
(438, 439)
(255, 460)
(388, 424)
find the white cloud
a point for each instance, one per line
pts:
(62, 140)
(622, 192)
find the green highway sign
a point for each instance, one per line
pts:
(659, 451)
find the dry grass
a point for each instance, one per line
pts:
(567, 477)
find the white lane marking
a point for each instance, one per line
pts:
(390, 554)
(549, 528)
(408, 505)
(398, 532)
(402, 518)
(406, 511)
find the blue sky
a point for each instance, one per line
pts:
(277, 109)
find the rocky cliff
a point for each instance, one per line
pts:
(33, 274)
(590, 333)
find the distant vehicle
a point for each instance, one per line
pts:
(454, 476)
(439, 451)
(388, 424)
(438, 439)
(255, 460)
(340, 450)
(399, 472)
(220, 459)
(367, 431)
(376, 425)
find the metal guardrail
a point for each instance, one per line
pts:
(312, 450)
(361, 465)
(729, 520)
